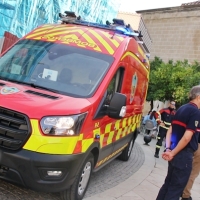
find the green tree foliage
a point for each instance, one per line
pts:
(172, 80)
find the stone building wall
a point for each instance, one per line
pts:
(175, 32)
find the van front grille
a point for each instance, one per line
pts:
(14, 129)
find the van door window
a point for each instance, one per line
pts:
(114, 86)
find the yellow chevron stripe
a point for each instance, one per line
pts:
(59, 31)
(124, 122)
(101, 140)
(40, 29)
(103, 42)
(143, 54)
(51, 38)
(58, 28)
(90, 40)
(111, 40)
(117, 124)
(108, 128)
(136, 58)
(118, 134)
(141, 51)
(129, 121)
(110, 137)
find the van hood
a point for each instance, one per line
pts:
(36, 103)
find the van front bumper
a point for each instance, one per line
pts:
(41, 172)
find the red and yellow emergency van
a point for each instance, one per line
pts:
(71, 100)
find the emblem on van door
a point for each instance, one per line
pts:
(133, 87)
(9, 90)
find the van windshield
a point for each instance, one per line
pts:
(64, 69)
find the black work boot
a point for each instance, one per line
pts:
(156, 155)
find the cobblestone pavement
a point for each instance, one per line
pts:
(115, 172)
(111, 175)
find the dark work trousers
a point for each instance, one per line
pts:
(160, 137)
(179, 170)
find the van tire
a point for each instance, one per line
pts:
(126, 153)
(79, 187)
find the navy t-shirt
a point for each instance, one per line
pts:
(187, 117)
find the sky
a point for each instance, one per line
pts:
(136, 5)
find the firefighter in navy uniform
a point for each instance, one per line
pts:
(181, 144)
(163, 118)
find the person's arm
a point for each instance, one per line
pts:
(158, 118)
(181, 145)
(168, 137)
(154, 122)
(165, 156)
(183, 142)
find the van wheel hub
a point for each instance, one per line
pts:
(85, 176)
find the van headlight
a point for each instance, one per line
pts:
(62, 125)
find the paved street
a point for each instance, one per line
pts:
(146, 182)
(116, 172)
(108, 177)
(138, 179)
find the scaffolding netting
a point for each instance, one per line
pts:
(21, 16)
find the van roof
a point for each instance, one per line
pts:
(92, 38)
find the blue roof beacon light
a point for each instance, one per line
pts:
(118, 25)
(124, 29)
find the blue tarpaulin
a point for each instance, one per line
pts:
(21, 16)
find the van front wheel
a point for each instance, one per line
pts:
(79, 187)
(126, 153)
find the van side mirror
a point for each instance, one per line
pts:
(117, 107)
